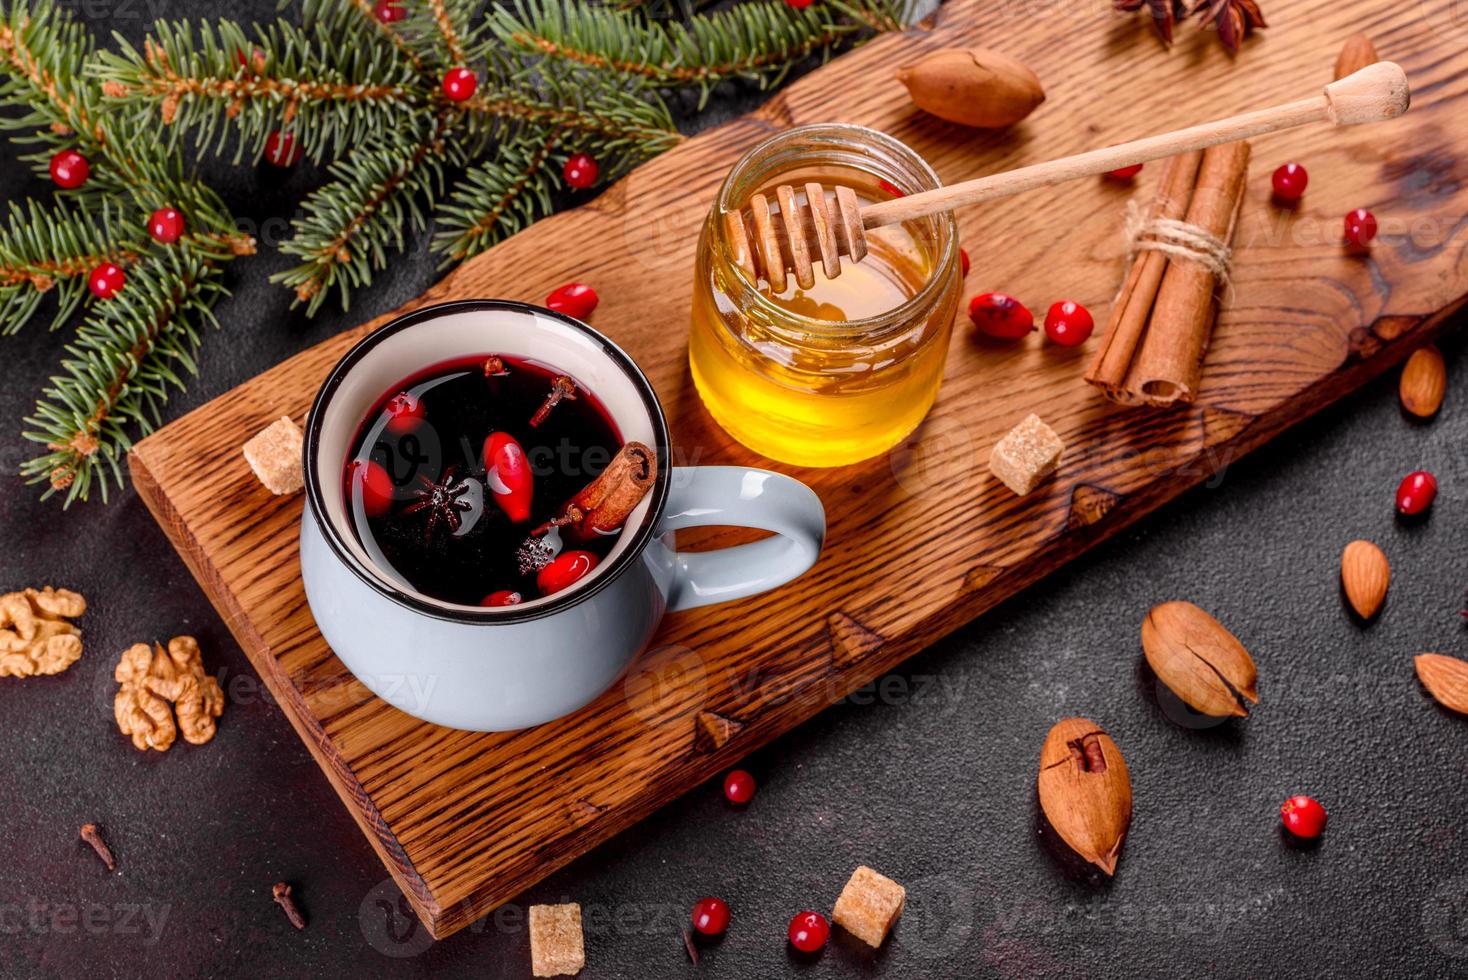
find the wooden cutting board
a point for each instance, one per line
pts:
(921, 540)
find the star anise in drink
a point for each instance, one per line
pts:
(444, 501)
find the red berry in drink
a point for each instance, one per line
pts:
(809, 931)
(508, 472)
(886, 185)
(1069, 323)
(459, 84)
(1125, 173)
(69, 169)
(374, 485)
(1000, 315)
(1290, 181)
(575, 299)
(564, 570)
(166, 225)
(107, 280)
(1360, 228)
(389, 12)
(502, 597)
(282, 149)
(404, 412)
(711, 916)
(1416, 493)
(581, 171)
(739, 787)
(963, 260)
(1303, 817)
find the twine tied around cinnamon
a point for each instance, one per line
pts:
(1178, 240)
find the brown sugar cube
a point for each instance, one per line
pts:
(274, 453)
(1027, 454)
(868, 905)
(556, 947)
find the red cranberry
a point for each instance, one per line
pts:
(739, 787)
(510, 479)
(581, 171)
(375, 486)
(1125, 173)
(1290, 181)
(1069, 323)
(1416, 492)
(166, 225)
(404, 412)
(711, 916)
(886, 185)
(69, 169)
(575, 299)
(282, 149)
(107, 280)
(566, 569)
(963, 260)
(459, 84)
(1303, 817)
(1360, 228)
(1000, 315)
(389, 12)
(502, 597)
(809, 931)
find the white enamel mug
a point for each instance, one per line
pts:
(510, 667)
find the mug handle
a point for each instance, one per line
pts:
(702, 496)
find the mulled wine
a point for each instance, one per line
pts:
(491, 480)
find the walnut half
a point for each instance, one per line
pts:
(35, 637)
(151, 677)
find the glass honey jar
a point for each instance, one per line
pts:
(846, 369)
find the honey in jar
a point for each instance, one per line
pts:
(845, 369)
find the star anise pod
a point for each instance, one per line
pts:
(1233, 18)
(1165, 13)
(444, 502)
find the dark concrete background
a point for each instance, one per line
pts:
(931, 783)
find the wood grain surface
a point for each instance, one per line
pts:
(922, 539)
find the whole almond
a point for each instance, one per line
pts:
(1199, 660)
(1086, 791)
(1446, 679)
(1424, 379)
(972, 86)
(1365, 575)
(1356, 53)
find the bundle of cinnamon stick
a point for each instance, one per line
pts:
(1161, 322)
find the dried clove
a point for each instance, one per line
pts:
(93, 836)
(561, 387)
(282, 895)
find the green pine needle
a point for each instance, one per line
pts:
(115, 379)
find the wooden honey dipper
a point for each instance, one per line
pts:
(830, 224)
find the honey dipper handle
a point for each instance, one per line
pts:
(1373, 94)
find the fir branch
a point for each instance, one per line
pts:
(217, 82)
(757, 41)
(376, 192)
(544, 97)
(497, 198)
(44, 250)
(42, 54)
(350, 15)
(126, 357)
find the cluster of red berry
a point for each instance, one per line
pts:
(70, 170)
